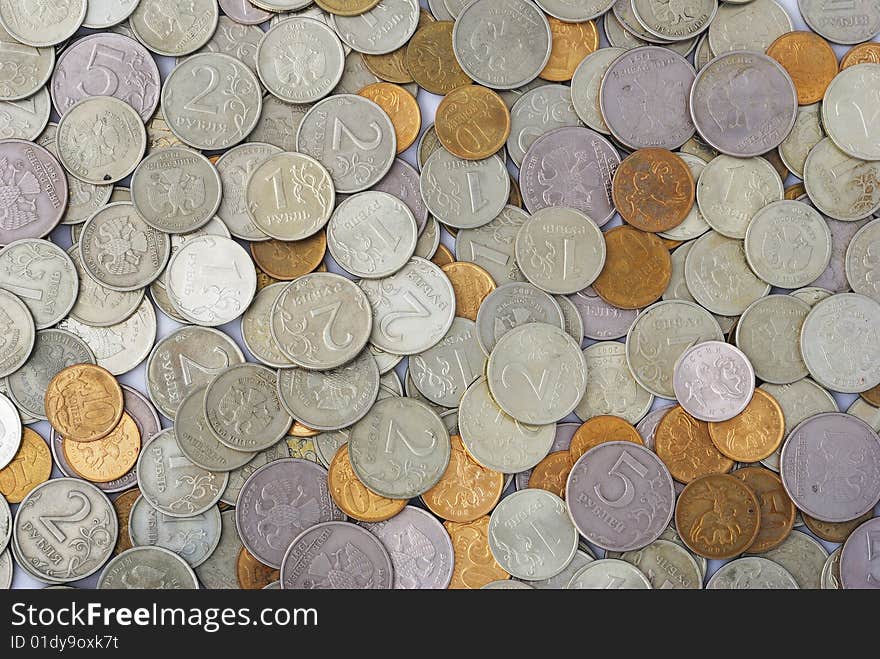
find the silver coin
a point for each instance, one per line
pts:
(802, 557)
(647, 427)
(194, 538)
(858, 568)
(623, 11)
(107, 13)
(675, 24)
(601, 320)
(236, 40)
(148, 568)
(830, 577)
(561, 442)
(6, 569)
(42, 276)
(413, 392)
(428, 143)
(25, 118)
(244, 12)
(863, 261)
(238, 477)
(841, 23)
(536, 113)
(10, 442)
(812, 295)
(40, 190)
(429, 240)
(585, 86)
(769, 333)
(214, 227)
(278, 502)
(235, 168)
(355, 75)
(40, 26)
(751, 573)
(572, 323)
(175, 30)
(609, 574)
(28, 68)
(65, 530)
(611, 387)
(667, 565)
(443, 372)
(839, 343)
(197, 441)
(834, 279)
(561, 580)
(511, 305)
(618, 35)
(255, 328)
(18, 333)
(572, 11)
(752, 26)
(498, 441)
(491, 246)
(96, 305)
(278, 124)
(703, 53)
(382, 29)
(694, 225)
(402, 181)
(327, 443)
(806, 133)
(738, 91)
(386, 361)
(839, 185)
(713, 381)
(352, 137)
(502, 44)
(218, 571)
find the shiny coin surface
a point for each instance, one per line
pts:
(599, 430)
(474, 565)
(472, 122)
(147, 568)
(753, 434)
(846, 102)
(401, 107)
(609, 574)
(84, 402)
(471, 285)
(810, 62)
(751, 573)
(713, 381)
(483, 188)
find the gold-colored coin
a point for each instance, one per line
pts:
(670, 244)
(835, 531)
(31, 466)
(600, 429)
(551, 473)
(442, 256)
(753, 434)
(108, 458)
(863, 53)
(571, 43)
(467, 490)
(471, 284)
(795, 192)
(353, 497)
(84, 403)
(431, 60)
(252, 574)
(872, 396)
(515, 198)
(637, 268)
(264, 279)
(474, 564)
(123, 505)
(300, 430)
(286, 260)
(347, 7)
(401, 107)
(684, 445)
(472, 122)
(717, 516)
(777, 509)
(391, 67)
(810, 62)
(653, 190)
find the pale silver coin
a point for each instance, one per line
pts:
(428, 143)
(236, 40)
(502, 44)
(658, 338)
(537, 112)
(863, 261)
(330, 400)
(121, 347)
(385, 360)
(148, 568)
(751, 26)
(54, 350)
(238, 477)
(561, 580)
(25, 118)
(278, 123)
(413, 392)
(283, 7)
(244, 410)
(713, 381)
(328, 443)
(806, 133)
(866, 412)
(235, 168)
(42, 276)
(840, 186)
(667, 565)
(561, 442)
(256, 333)
(412, 310)
(218, 571)
(694, 225)
(10, 442)
(400, 449)
(511, 305)
(574, 11)
(647, 427)
(65, 529)
(402, 181)
(609, 574)
(6, 569)
(830, 577)
(107, 13)
(300, 60)
(834, 278)
(623, 11)
(429, 240)
(213, 101)
(18, 333)
(443, 372)
(812, 295)
(197, 441)
(572, 323)
(184, 360)
(26, 419)
(678, 23)
(618, 35)
(42, 25)
(96, 305)
(703, 53)
(355, 75)
(382, 29)
(491, 246)
(769, 333)
(802, 557)
(601, 320)
(720, 198)
(174, 29)
(560, 250)
(464, 194)
(28, 68)
(159, 293)
(173, 484)
(496, 440)
(352, 137)
(531, 535)
(214, 227)
(211, 280)
(672, 535)
(390, 382)
(194, 538)
(840, 343)
(611, 387)
(585, 86)
(847, 114)
(718, 275)
(506, 584)
(751, 573)
(176, 190)
(371, 234)
(848, 22)
(788, 244)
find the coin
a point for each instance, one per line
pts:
(84, 402)
(107, 459)
(862, 264)
(193, 538)
(38, 28)
(443, 256)
(849, 23)
(872, 396)
(863, 53)
(609, 574)
(353, 497)
(857, 559)
(486, 182)
(540, 111)
(19, 333)
(145, 568)
(123, 505)
(96, 305)
(431, 60)
(751, 573)
(839, 185)
(25, 118)
(472, 122)
(238, 477)
(777, 509)
(686, 447)
(585, 85)
(430, 370)
(637, 268)
(402, 109)
(174, 31)
(277, 125)
(802, 556)
(10, 432)
(198, 443)
(809, 60)
(835, 531)
(40, 191)
(471, 285)
(653, 190)
(752, 435)
(245, 13)
(600, 319)
(740, 26)
(491, 246)
(570, 43)
(474, 566)
(611, 388)
(287, 260)
(600, 430)
(30, 466)
(831, 571)
(769, 334)
(805, 134)
(218, 571)
(251, 574)
(713, 381)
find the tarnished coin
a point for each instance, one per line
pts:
(353, 497)
(602, 320)
(287, 260)
(431, 60)
(148, 568)
(777, 509)
(217, 571)
(443, 372)
(198, 443)
(858, 560)
(537, 112)
(806, 133)
(39, 189)
(686, 447)
(803, 558)
(611, 388)
(194, 538)
(96, 305)
(713, 381)
(667, 565)
(836, 532)
(471, 284)
(464, 194)
(238, 477)
(747, 26)
(753, 434)
(768, 333)
(752, 573)
(27, 68)
(846, 23)
(251, 574)
(839, 185)
(84, 402)
(863, 261)
(609, 574)
(42, 26)
(30, 466)
(637, 268)
(653, 190)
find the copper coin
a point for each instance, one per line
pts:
(471, 284)
(810, 62)
(835, 531)
(467, 490)
(84, 403)
(671, 244)
(863, 53)
(637, 268)
(474, 564)
(472, 122)
(401, 107)
(391, 67)
(252, 574)
(570, 44)
(123, 505)
(431, 60)
(353, 497)
(717, 516)
(299, 430)
(108, 458)
(552, 472)
(653, 190)
(684, 445)
(263, 279)
(515, 198)
(287, 260)
(872, 396)
(31, 466)
(778, 511)
(753, 434)
(442, 256)
(795, 192)
(601, 429)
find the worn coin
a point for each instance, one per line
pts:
(97, 306)
(218, 570)
(830, 578)
(278, 123)
(25, 118)
(653, 190)
(10, 433)
(751, 573)
(611, 387)
(600, 430)
(174, 30)
(836, 532)
(667, 565)
(381, 29)
(443, 372)
(585, 85)
(471, 284)
(806, 133)
(723, 209)
(602, 320)
(148, 568)
(537, 112)
(19, 332)
(467, 490)
(858, 558)
(400, 106)
(750, 26)
(570, 43)
(28, 68)
(39, 189)
(863, 261)
(5, 524)
(810, 62)
(472, 122)
(839, 185)
(255, 328)
(235, 168)
(251, 574)
(287, 260)
(198, 443)
(803, 558)
(845, 23)
(713, 381)
(637, 268)
(686, 447)
(777, 509)
(863, 53)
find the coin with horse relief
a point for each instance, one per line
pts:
(863, 261)
(840, 186)
(443, 372)
(464, 194)
(611, 387)
(713, 381)
(537, 112)
(193, 538)
(198, 443)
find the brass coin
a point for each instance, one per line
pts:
(795, 192)
(299, 430)
(810, 62)
(431, 60)
(108, 458)
(684, 445)
(474, 564)
(653, 190)
(835, 531)
(601, 429)
(717, 516)
(471, 285)
(123, 505)
(347, 7)
(287, 260)
(442, 256)
(472, 122)
(353, 497)
(872, 396)
(551, 473)
(84, 403)
(264, 279)
(753, 434)
(778, 511)
(467, 490)
(402, 108)
(863, 53)
(515, 198)
(637, 268)
(391, 67)
(31, 466)
(253, 575)
(571, 43)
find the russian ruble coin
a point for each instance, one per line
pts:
(213, 227)
(574, 12)
(411, 391)
(199, 443)
(218, 570)
(6, 569)
(492, 245)
(194, 538)
(427, 144)
(40, 26)
(281, 8)
(609, 574)
(386, 361)
(802, 557)
(585, 86)
(443, 372)
(806, 133)
(694, 225)
(713, 381)
(611, 387)
(445, 178)
(159, 135)
(623, 12)
(857, 559)
(537, 112)
(675, 25)
(10, 442)
(752, 26)
(830, 577)
(563, 578)
(402, 181)
(41, 191)
(834, 279)
(25, 118)
(845, 23)
(278, 124)
(601, 320)
(42, 276)
(328, 443)
(255, 328)
(839, 343)
(108, 13)
(703, 53)
(812, 295)
(148, 568)
(19, 333)
(355, 75)
(236, 40)
(618, 36)
(572, 323)
(764, 93)
(176, 30)
(846, 107)
(52, 523)
(769, 333)
(839, 185)
(238, 477)
(235, 168)
(512, 305)
(429, 240)
(382, 29)
(863, 261)
(751, 573)
(32, 68)
(667, 565)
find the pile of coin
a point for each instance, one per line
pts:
(631, 363)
